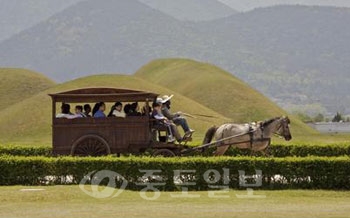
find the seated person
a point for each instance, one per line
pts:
(134, 110)
(172, 129)
(127, 109)
(98, 111)
(176, 117)
(116, 110)
(144, 110)
(65, 112)
(79, 111)
(87, 110)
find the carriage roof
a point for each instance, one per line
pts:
(91, 95)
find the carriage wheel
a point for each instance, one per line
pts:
(90, 145)
(163, 153)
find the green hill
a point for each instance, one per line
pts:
(30, 121)
(19, 84)
(216, 89)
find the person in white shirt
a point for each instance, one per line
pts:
(65, 112)
(87, 110)
(162, 120)
(117, 110)
(79, 111)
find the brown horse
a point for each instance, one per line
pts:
(254, 136)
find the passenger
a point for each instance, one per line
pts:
(95, 109)
(79, 111)
(162, 120)
(65, 112)
(110, 114)
(144, 110)
(134, 110)
(176, 118)
(99, 109)
(87, 110)
(116, 110)
(127, 109)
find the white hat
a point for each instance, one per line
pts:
(166, 98)
(159, 100)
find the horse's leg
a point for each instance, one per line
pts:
(252, 152)
(266, 152)
(251, 147)
(220, 150)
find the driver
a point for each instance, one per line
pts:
(176, 117)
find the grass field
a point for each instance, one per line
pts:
(316, 139)
(70, 201)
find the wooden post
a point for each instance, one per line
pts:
(147, 107)
(53, 109)
(53, 124)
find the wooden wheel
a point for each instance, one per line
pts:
(163, 153)
(90, 145)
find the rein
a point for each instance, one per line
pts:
(213, 143)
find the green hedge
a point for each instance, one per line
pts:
(22, 150)
(277, 173)
(274, 150)
(332, 150)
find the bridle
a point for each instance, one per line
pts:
(283, 128)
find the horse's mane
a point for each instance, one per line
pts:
(268, 122)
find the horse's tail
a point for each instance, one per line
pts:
(209, 135)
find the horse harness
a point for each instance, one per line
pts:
(261, 139)
(252, 139)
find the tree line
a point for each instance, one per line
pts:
(338, 117)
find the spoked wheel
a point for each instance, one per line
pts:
(163, 153)
(90, 145)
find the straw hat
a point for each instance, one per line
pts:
(166, 98)
(159, 100)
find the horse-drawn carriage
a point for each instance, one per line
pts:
(135, 134)
(111, 135)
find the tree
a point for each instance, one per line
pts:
(337, 118)
(304, 117)
(319, 118)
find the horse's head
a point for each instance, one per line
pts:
(283, 128)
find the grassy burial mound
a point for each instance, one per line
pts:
(17, 126)
(216, 89)
(18, 84)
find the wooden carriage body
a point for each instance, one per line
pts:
(100, 136)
